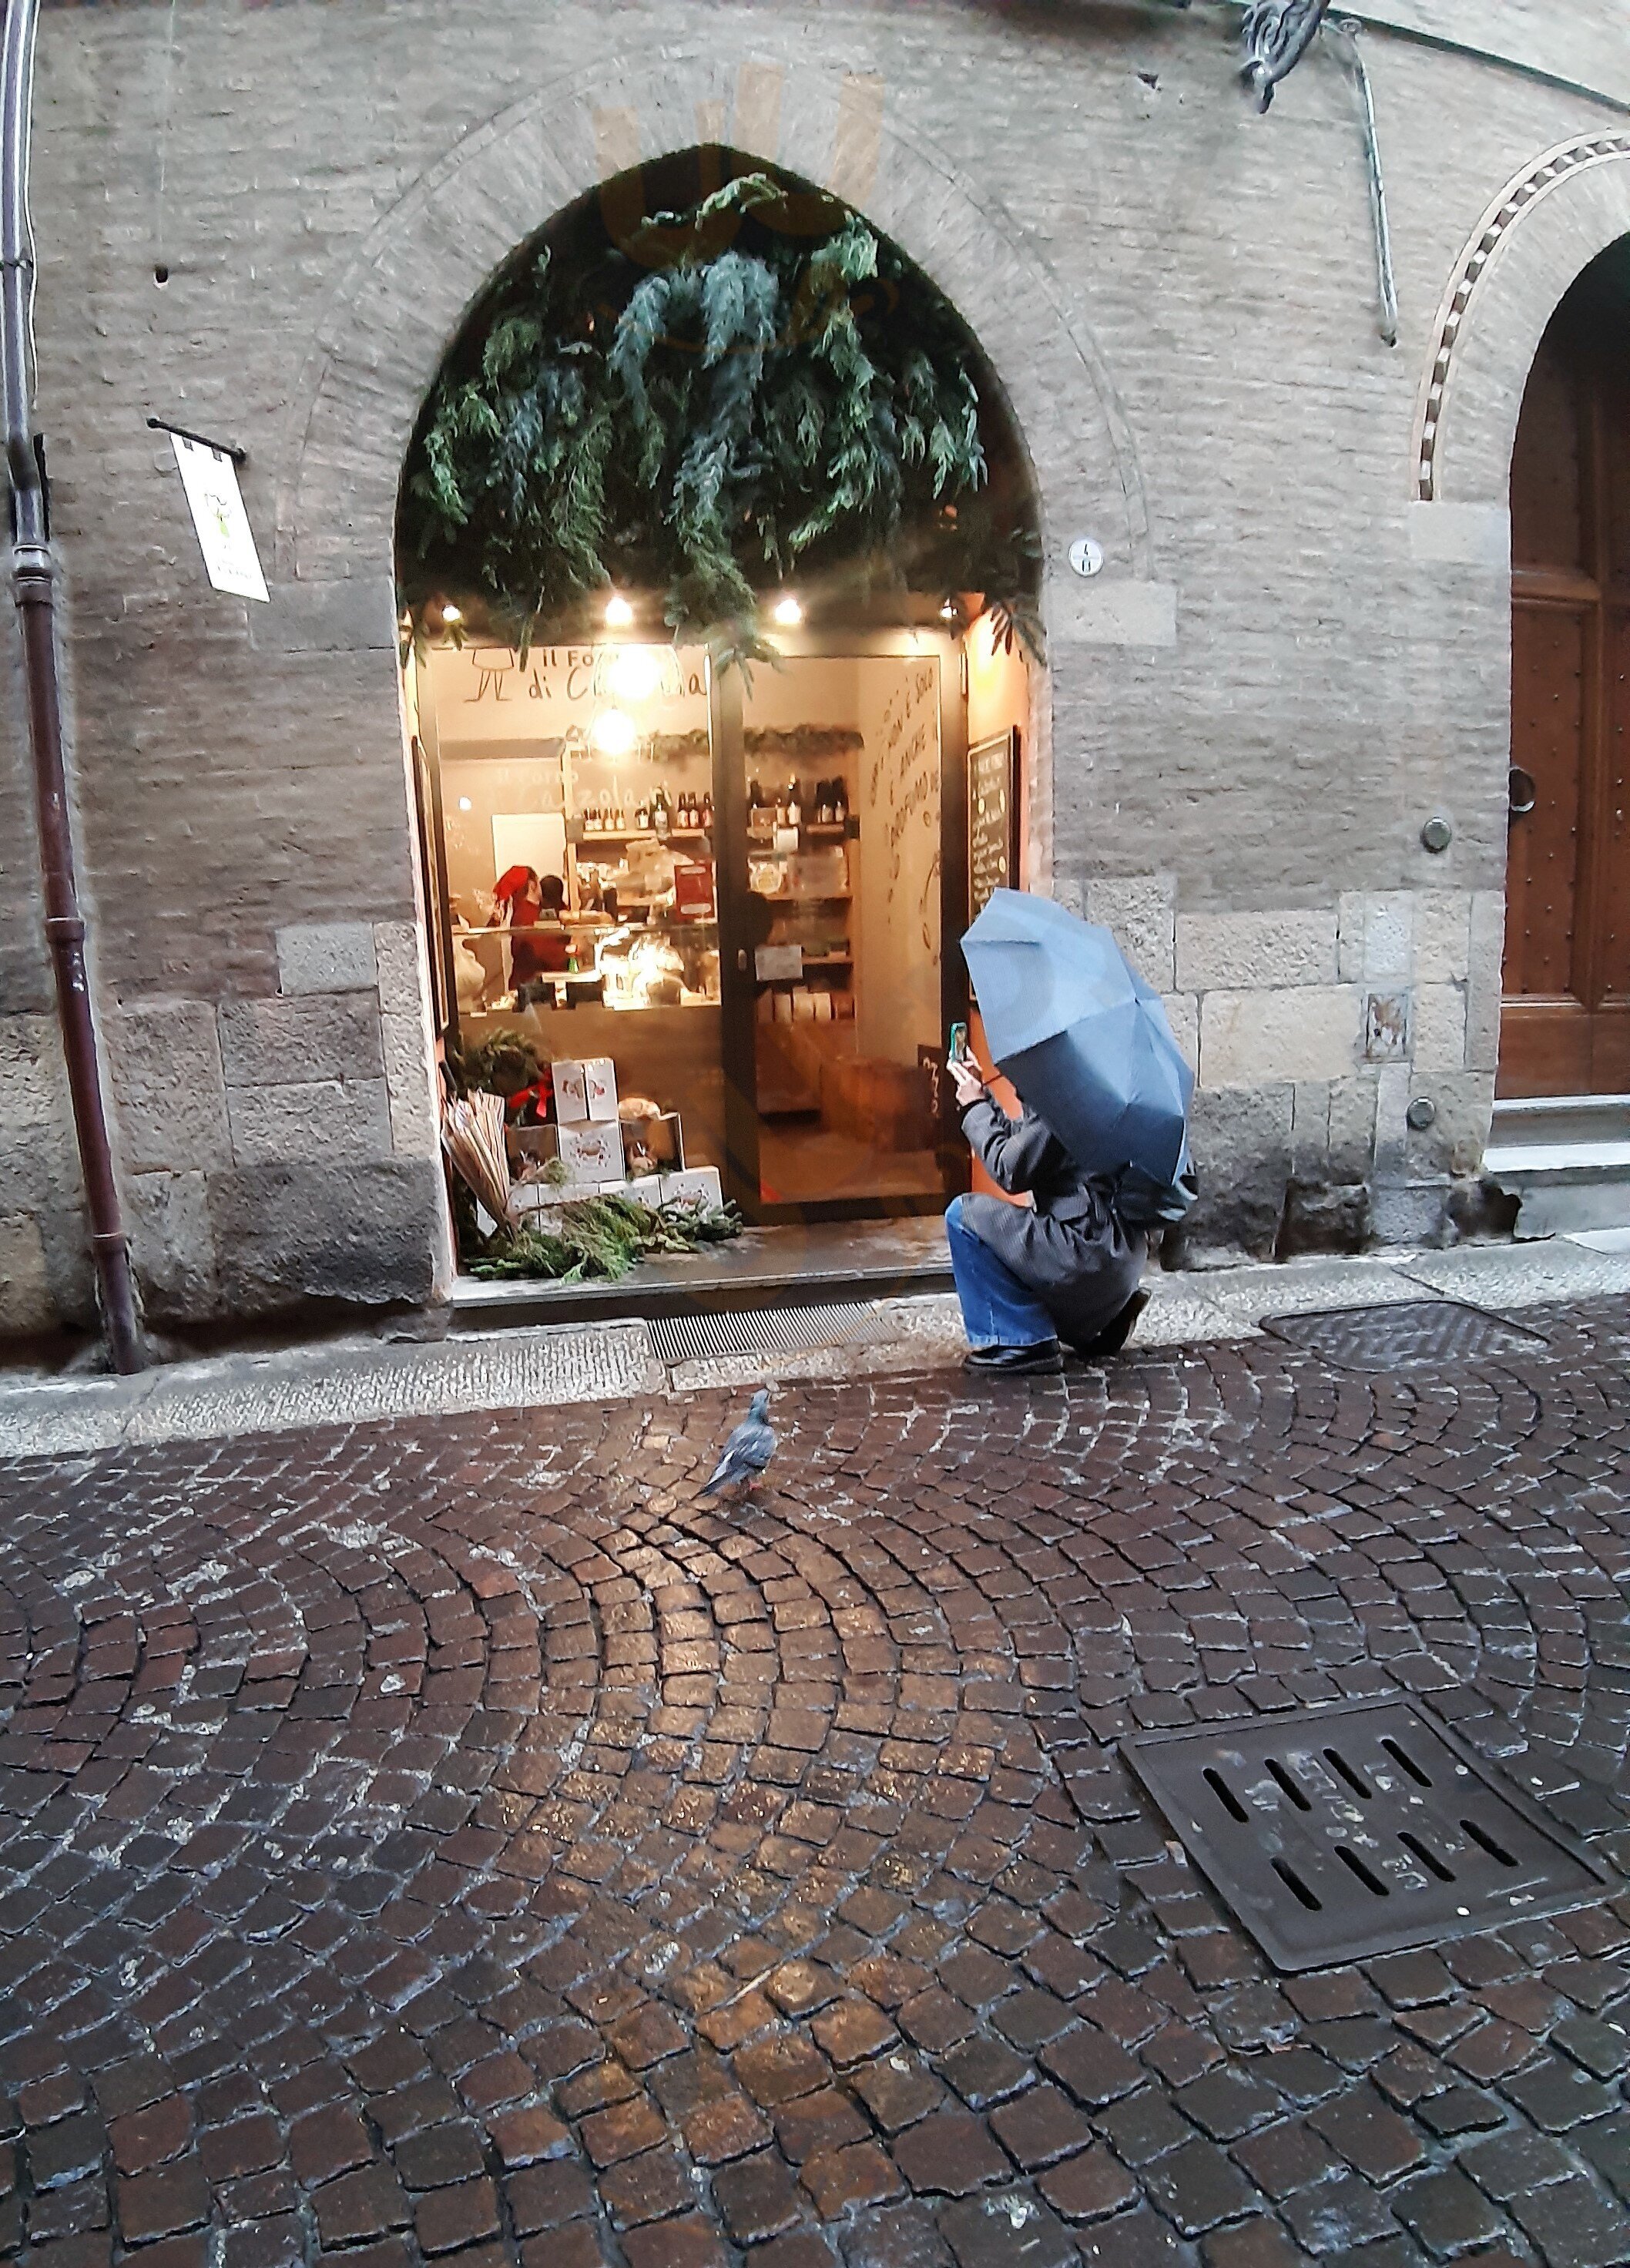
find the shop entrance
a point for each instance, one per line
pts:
(758, 873)
(715, 532)
(1566, 1026)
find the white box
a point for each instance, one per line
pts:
(645, 1189)
(593, 1153)
(698, 1183)
(571, 1093)
(599, 1076)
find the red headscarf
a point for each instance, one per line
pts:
(511, 883)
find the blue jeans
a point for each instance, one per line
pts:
(997, 1310)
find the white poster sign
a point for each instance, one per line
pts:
(224, 536)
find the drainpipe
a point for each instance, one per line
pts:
(34, 586)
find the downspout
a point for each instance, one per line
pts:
(33, 588)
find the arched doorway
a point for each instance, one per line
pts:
(756, 863)
(1565, 1026)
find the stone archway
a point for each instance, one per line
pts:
(385, 333)
(1542, 231)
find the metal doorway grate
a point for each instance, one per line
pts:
(761, 1330)
(1421, 1335)
(1338, 1833)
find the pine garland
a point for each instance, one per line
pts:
(718, 402)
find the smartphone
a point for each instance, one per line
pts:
(959, 1043)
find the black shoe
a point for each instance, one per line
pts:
(1044, 1360)
(1115, 1333)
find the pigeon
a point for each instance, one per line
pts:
(748, 1451)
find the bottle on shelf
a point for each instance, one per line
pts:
(823, 803)
(643, 818)
(659, 811)
(840, 802)
(794, 809)
(706, 820)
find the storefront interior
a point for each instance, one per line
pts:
(731, 892)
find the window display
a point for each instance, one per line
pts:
(699, 930)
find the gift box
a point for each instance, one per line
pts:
(700, 1186)
(599, 1076)
(540, 1143)
(571, 1093)
(593, 1153)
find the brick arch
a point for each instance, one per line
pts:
(383, 335)
(1548, 225)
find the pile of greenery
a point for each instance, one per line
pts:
(605, 1236)
(755, 384)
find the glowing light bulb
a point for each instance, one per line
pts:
(465, 804)
(451, 614)
(636, 673)
(612, 734)
(618, 612)
(948, 612)
(788, 612)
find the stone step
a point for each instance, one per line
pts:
(1566, 1159)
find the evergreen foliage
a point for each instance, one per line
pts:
(751, 385)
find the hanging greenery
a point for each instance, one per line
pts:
(754, 384)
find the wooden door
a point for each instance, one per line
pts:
(1566, 1028)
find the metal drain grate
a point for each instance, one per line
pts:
(760, 1330)
(1419, 1335)
(1340, 1833)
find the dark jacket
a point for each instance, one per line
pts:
(1074, 1252)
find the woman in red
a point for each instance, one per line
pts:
(534, 908)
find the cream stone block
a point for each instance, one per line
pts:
(1483, 987)
(325, 957)
(1310, 1126)
(1376, 936)
(25, 1302)
(1299, 1033)
(414, 1132)
(396, 958)
(1142, 910)
(33, 1082)
(1183, 1014)
(1251, 951)
(1443, 936)
(168, 1088)
(1440, 1027)
(313, 1120)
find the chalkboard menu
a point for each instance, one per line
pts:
(993, 818)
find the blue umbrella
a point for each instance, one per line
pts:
(1085, 1041)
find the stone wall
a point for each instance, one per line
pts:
(1292, 657)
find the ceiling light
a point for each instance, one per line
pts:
(635, 673)
(465, 804)
(612, 734)
(788, 612)
(618, 612)
(949, 611)
(451, 614)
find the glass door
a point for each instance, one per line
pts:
(839, 780)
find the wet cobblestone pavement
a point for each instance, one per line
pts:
(448, 1839)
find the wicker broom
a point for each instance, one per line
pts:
(472, 1136)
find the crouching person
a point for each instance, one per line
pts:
(1068, 1271)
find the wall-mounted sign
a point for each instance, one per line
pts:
(1086, 555)
(993, 818)
(224, 536)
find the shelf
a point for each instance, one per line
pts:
(807, 898)
(640, 834)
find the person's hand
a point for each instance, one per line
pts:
(966, 1078)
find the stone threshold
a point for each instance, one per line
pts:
(360, 1379)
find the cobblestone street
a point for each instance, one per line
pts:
(449, 1839)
